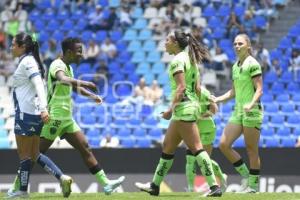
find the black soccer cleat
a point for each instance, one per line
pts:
(215, 191)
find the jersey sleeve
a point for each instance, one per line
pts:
(255, 69)
(55, 67)
(31, 68)
(176, 66)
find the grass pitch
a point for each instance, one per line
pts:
(163, 196)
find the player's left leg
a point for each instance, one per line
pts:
(251, 136)
(190, 169)
(79, 142)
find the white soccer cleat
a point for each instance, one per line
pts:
(17, 194)
(244, 184)
(66, 183)
(149, 187)
(224, 183)
(248, 190)
(113, 184)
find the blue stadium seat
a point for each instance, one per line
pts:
(296, 99)
(218, 33)
(225, 44)
(214, 23)
(3, 133)
(100, 36)
(163, 79)
(146, 110)
(134, 46)
(140, 24)
(267, 99)
(260, 22)
(124, 57)
(284, 132)
(287, 109)
(276, 121)
(209, 11)
(137, 12)
(133, 77)
(267, 132)
(150, 122)
(138, 57)
(124, 90)
(39, 25)
(72, 33)
(62, 15)
(88, 121)
(143, 68)
(139, 133)
(58, 36)
(239, 10)
(149, 45)
(223, 11)
(47, 16)
(134, 123)
(81, 24)
(270, 77)
(114, 3)
(283, 98)
(239, 142)
(94, 142)
(153, 56)
(4, 143)
(93, 133)
(127, 142)
(293, 121)
(143, 143)
(277, 88)
(44, 4)
(35, 15)
(226, 108)
(67, 25)
(110, 99)
(115, 35)
(155, 134)
(124, 132)
(86, 110)
(84, 68)
(286, 77)
(158, 68)
(272, 142)
(77, 15)
(87, 36)
(296, 131)
(145, 35)
(130, 35)
(43, 36)
(53, 25)
(288, 142)
(149, 77)
(100, 110)
(128, 68)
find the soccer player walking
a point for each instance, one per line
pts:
(207, 128)
(247, 117)
(184, 75)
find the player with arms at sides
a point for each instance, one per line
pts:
(247, 116)
(61, 82)
(207, 128)
(184, 75)
(30, 107)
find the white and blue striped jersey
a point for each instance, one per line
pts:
(25, 95)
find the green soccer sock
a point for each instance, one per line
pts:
(254, 179)
(16, 184)
(162, 168)
(190, 171)
(217, 169)
(241, 168)
(101, 178)
(204, 162)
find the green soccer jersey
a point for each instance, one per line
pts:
(205, 124)
(242, 81)
(59, 95)
(181, 62)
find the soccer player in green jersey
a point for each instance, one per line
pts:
(184, 75)
(207, 128)
(247, 116)
(61, 83)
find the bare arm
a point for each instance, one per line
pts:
(87, 93)
(225, 97)
(75, 83)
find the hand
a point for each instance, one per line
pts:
(167, 114)
(98, 99)
(45, 116)
(248, 107)
(212, 98)
(91, 86)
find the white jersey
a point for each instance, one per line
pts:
(25, 95)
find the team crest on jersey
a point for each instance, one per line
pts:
(32, 129)
(17, 127)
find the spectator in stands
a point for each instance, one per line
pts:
(28, 5)
(125, 19)
(185, 14)
(96, 19)
(2, 39)
(109, 141)
(7, 64)
(6, 14)
(295, 62)
(109, 48)
(92, 52)
(112, 20)
(12, 29)
(169, 19)
(21, 15)
(275, 67)
(262, 55)
(199, 33)
(51, 53)
(247, 117)
(249, 24)
(218, 59)
(233, 25)
(155, 92)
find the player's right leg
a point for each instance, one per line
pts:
(79, 142)
(231, 132)
(193, 142)
(170, 143)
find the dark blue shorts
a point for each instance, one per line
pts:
(27, 124)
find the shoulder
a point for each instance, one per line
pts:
(58, 63)
(28, 60)
(251, 61)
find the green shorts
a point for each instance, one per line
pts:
(208, 138)
(57, 128)
(252, 119)
(186, 111)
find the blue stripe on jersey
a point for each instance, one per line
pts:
(34, 74)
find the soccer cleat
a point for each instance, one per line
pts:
(224, 183)
(17, 194)
(113, 184)
(150, 188)
(215, 191)
(244, 184)
(15, 186)
(65, 184)
(248, 190)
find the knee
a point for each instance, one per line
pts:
(252, 150)
(224, 146)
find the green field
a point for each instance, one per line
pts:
(165, 196)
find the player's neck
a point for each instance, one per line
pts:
(65, 60)
(242, 59)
